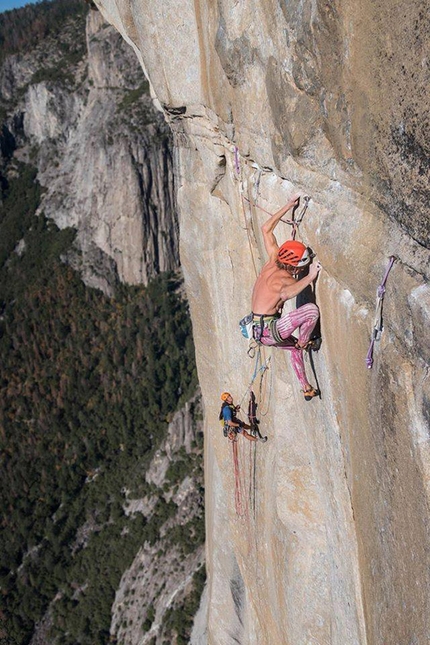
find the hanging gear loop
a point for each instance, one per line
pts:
(378, 324)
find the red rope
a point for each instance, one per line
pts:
(244, 479)
(237, 483)
(257, 206)
(252, 464)
(251, 445)
(240, 484)
(291, 222)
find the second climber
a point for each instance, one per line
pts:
(232, 426)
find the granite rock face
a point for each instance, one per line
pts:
(161, 574)
(86, 129)
(330, 100)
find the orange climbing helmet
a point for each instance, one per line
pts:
(225, 395)
(294, 253)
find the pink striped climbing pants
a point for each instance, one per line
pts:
(304, 319)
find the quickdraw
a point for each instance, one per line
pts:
(378, 322)
(295, 223)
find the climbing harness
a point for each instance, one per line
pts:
(378, 323)
(261, 321)
(228, 430)
(252, 327)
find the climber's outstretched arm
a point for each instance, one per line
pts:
(268, 227)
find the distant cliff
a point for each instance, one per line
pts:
(80, 111)
(101, 438)
(330, 99)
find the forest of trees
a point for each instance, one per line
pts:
(88, 385)
(21, 30)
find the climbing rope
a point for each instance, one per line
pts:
(252, 475)
(268, 387)
(245, 482)
(257, 206)
(239, 500)
(255, 350)
(378, 324)
(245, 474)
(243, 199)
(259, 368)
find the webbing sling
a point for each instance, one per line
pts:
(377, 325)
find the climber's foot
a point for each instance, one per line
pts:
(310, 393)
(305, 346)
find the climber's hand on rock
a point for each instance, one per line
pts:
(314, 269)
(295, 199)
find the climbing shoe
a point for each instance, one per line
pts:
(311, 344)
(310, 394)
(263, 439)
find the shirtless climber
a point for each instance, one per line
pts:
(233, 425)
(279, 281)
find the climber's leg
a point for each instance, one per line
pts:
(304, 319)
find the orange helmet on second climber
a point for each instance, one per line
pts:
(294, 254)
(225, 395)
